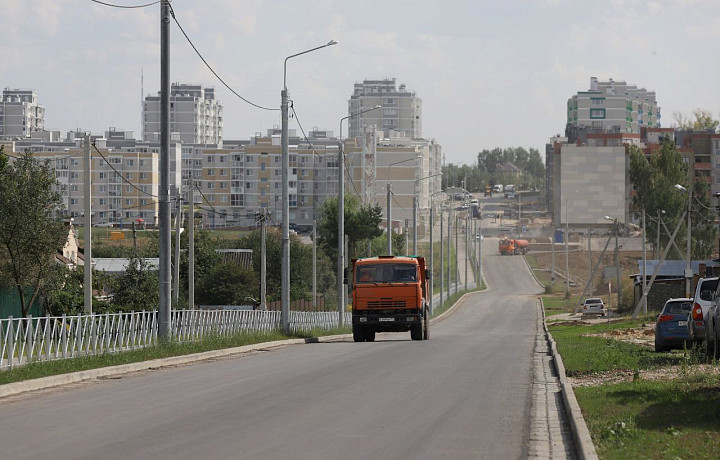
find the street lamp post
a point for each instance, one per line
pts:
(389, 204)
(415, 207)
(688, 268)
(617, 258)
(285, 269)
(341, 217)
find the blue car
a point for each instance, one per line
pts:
(671, 329)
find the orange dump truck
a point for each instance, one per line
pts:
(512, 246)
(389, 294)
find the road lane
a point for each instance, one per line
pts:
(464, 394)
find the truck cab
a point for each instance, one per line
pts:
(389, 294)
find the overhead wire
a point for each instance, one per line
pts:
(215, 211)
(121, 175)
(172, 13)
(113, 5)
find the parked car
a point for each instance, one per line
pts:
(593, 305)
(104, 224)
(704, 293)
(712, 328)
(671, 329)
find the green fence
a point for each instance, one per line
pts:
(10, 303)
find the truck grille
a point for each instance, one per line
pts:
(386, 303)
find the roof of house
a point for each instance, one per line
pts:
(120, 265)
(674, 268)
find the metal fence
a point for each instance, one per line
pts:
(25, 340)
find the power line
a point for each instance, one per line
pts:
(120, 174)
(125, 6)
(172, 13)
(215, 211)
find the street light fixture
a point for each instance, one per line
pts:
(341, 216)
(285, 269)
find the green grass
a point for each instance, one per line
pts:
(162, 350)
(654, 420)
(666, 419)
(585, 355)
(558, 303)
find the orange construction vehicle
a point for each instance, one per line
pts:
(389, 294)
(512, 246)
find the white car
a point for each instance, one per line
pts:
(593, 306)
(104, 224)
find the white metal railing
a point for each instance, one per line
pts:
(25, 340)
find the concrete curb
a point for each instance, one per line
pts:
(11, 389)
(581, 434)
(15, 388)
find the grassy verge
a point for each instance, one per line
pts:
(163, 350)
(672, 417)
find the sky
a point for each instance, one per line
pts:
(490, 73)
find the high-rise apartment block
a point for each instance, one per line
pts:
(611, 107)
(20, 113)
(196, 117)
(400, 110)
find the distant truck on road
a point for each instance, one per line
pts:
(510, 246)
(497, 188)
(509, 190)
(389, 294)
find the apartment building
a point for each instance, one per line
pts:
(611, 106)
(20, 114)
(196, 117)
(400, 110)
(124, 180)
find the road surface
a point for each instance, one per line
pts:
(466, 393)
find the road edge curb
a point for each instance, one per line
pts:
(581, 433)
(43, 383)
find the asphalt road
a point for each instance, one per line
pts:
(463, 394)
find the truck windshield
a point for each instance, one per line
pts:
(386, 273)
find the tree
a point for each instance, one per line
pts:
(137, 288)
(703, 121)
(654, 182)
(362, 222)
(228, 284)
(31, 229)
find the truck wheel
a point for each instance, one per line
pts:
(426, 329)
(416, 332)
(369, 335)
(358, 333)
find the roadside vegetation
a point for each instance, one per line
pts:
(161, 350)
(638, 403)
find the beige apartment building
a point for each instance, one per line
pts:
(400, 110)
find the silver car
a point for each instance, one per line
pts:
(593, 306)
(704, 293)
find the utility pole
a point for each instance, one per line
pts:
(389, 219)
(644, 235)
(467, 247)
(457, 252)
(87, 187)
(567, 257)
(414, 214)
(449, 254)
(263, 260)
(314, 250)
(164, 192)
(431, 260)
(191, 243)
(590, 259)
(176, 271)
(442, 261)
(552, 254)
(407, 239)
